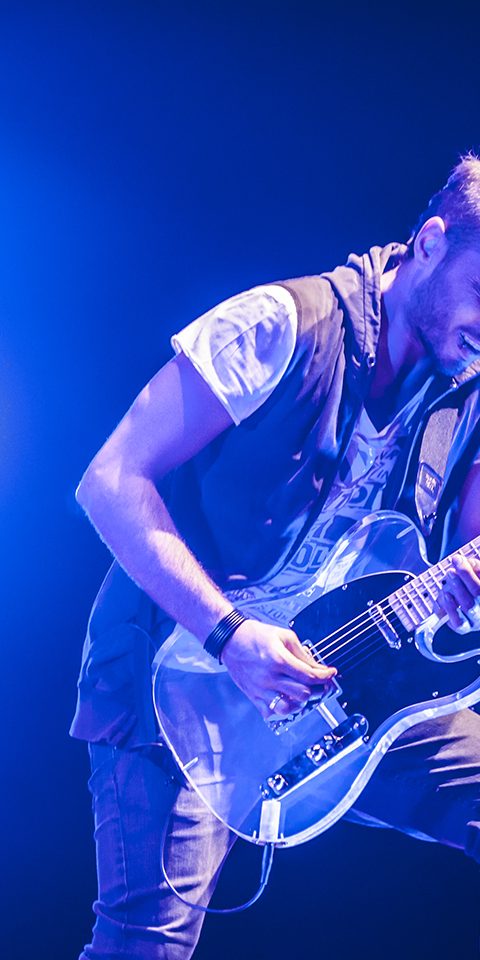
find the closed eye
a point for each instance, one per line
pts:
(466, 342)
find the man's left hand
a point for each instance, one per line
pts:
(460, 592)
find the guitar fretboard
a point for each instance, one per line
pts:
(414, 602)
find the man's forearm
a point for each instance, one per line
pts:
(133, 521)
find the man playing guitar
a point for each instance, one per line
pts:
(286, 415)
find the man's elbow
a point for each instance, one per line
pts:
(87, 492)
(111, 478)
(98, 484)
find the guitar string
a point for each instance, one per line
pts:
(370, 630)
(386, 609)
(348, 659)
(375, 639)
(362, 644)
(354, 662)
(359, 657)
(353, 648)
(384, 606)
(377, 642)
(319, 647)
(337, 635)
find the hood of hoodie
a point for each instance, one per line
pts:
(357, 285)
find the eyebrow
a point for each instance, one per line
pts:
(476, 285)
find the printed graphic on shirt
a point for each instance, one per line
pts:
(356, 492)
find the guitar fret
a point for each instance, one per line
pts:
(418, 606)
(406, 607)
(435, 587)
(444, 566)
(401, 610)
(425, 578)
(470, 549)
(417, 600)
(437, 584)
(403, 616)
(414, 602)
(425, 594)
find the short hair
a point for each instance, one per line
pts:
(458, 203)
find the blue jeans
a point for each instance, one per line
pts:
(428, 785)
(140, 805)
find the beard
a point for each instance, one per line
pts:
(428, 314)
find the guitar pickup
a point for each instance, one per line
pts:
(326, 751)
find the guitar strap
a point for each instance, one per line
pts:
(434, 452)
(432, 464)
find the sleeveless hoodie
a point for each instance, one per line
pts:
(240, 502)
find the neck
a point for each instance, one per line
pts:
(401, 356)
(402, 364)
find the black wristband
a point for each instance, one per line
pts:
(217, 639)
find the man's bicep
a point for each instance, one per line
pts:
(174, 417)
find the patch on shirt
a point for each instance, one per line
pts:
(428, 480)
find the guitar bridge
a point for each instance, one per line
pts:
(326, 703)
(326, 751)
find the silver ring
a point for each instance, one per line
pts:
(273, 703)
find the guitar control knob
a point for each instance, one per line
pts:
(330, 743)
(315, 753)
(277, 783)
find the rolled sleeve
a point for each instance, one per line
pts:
(242, 347)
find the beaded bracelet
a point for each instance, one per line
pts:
(217, 639)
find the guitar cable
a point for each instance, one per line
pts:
(267, 860)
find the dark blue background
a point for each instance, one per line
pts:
(154, 159)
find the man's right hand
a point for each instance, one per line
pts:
(268, 662)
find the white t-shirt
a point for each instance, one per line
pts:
(243, 346)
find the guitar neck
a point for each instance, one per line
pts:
(414, 602)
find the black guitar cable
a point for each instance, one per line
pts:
(267, 860)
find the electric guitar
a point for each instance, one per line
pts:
(368, 611)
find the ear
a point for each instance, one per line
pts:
(430, 243)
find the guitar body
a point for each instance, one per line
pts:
(286, 780)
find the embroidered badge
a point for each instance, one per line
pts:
(429, 480)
